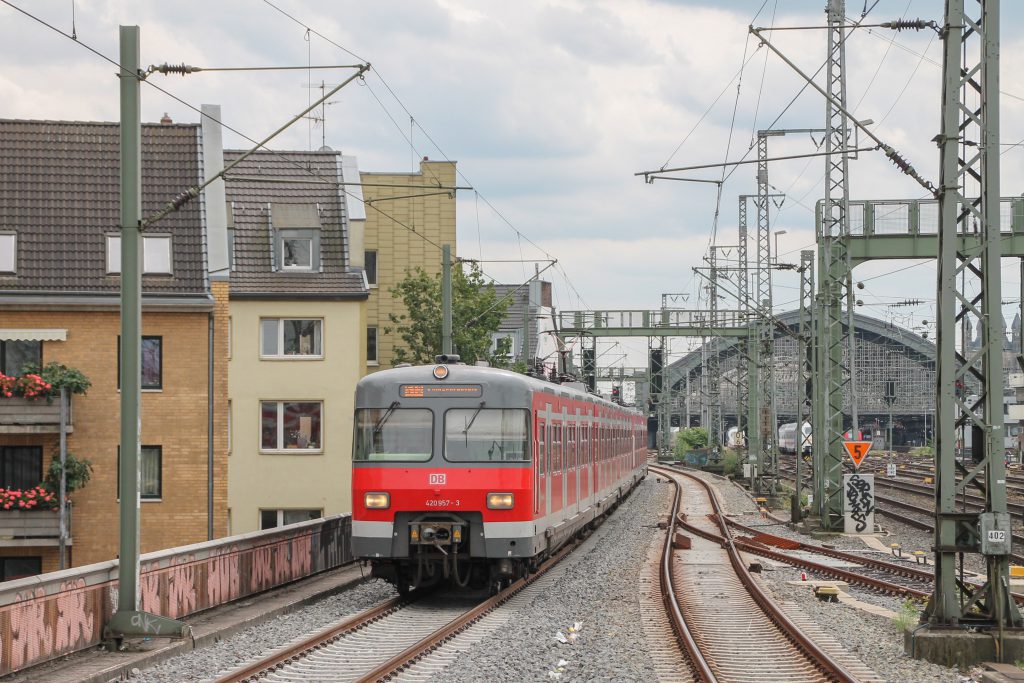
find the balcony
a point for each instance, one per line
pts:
(23, 416)
(31, 528)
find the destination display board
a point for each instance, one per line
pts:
(439, 390)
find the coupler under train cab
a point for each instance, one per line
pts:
(431, 548)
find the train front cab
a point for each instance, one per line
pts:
(442, 480)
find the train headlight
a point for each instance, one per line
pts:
(377, 501)
(500, 501)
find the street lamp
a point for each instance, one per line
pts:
(777, 233)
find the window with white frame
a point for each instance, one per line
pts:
(156, 254)
(298, 249)
(290, 425)
(291, 337)
(505, 344)
(8, 252)
(270, 519)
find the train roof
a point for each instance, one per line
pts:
(460, 373)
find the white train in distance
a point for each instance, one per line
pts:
(789, 439)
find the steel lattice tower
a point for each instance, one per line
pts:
(834, 282)
(969, 203)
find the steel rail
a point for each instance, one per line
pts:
(668, 595)
(891, 567)
(316, 640)
(431, 642)
(822, 660)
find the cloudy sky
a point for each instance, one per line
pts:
(550, 108)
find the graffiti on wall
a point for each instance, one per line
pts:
(859, 507)
(54, 619)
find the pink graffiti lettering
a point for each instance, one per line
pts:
(262, 568)
(223, 581)
(302, 556)
(75, 620)
(181, 588)
(30, 638)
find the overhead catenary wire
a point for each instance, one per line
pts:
(426, 134)
(196, 109)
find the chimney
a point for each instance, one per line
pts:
(166, 120)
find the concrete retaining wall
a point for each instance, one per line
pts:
(47, 616)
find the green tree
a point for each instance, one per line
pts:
(477, 311)
(691, 438)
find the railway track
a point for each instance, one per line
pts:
(897, 509)
(379, 643)
(721, 614)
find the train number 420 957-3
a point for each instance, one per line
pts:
(443, 503)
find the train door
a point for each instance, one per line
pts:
(571, 483)
(539, 479)
(587, 460)
(557, 481)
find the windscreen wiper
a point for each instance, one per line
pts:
(473, 419)
(384, 418)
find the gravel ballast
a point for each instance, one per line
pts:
(596, 586)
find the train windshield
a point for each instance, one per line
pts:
(394, 434)
(486, 435)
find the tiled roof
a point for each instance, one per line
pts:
(59, 190)
(252, 203)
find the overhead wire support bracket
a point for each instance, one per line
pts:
(193, 192)
(854, 150)
(890, 152)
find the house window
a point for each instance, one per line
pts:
(280, 337)
(290, 425)
(504, 344)
(21, 467)
(371, 344)
(12, 568)
(152, 362)
(270, 519)
(150, 472)
(156, 254)
(8, 252)
(298, 249)
(370, 265)
(16, 355)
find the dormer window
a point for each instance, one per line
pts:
(296, 234)
(296, 250)
(156, 254)
(8, 252)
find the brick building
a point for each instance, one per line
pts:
(403, 212)
(59, 289)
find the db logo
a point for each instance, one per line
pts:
(438, 479)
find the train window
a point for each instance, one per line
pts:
(572, 446)
(394, 434)
(556, 449)
(486, 435)
(541, 441)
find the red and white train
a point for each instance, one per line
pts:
(476, 474)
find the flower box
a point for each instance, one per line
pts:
(31, 416)
(31, 524)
